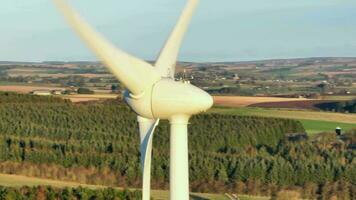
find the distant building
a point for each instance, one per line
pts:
(41, 92)
(56, 92)
(47, 92)
(338, 131)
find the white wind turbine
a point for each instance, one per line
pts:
(153, 94)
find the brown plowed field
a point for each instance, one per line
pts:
(241, 101)
(307, 104)
(25, 89)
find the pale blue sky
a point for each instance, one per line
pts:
(222, 30)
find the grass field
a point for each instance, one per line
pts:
(18, 181)
(313, 121)
(315, 126)
(339, 97)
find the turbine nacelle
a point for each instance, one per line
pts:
(168, 98)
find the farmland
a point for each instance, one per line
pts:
(339, 97)
(300, 77)
(304, 110)
(291, 114)
(241, 101)
(313, 121)
(26, 88)
(316, 126)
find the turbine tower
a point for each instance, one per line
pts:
(153, 95)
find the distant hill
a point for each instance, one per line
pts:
(268, 61)
(294, 60)
(17, 63)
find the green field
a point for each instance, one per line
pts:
(18, 181)
(339, 97)
(313, 121)
(315, 126)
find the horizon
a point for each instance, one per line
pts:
(183, 61)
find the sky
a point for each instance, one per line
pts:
(222, 30)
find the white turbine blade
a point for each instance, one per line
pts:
(134, 73)
(147, 127)
(167, 59)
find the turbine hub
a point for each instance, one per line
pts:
(169, 98)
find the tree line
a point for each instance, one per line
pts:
(343, 106)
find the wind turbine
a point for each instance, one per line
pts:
(153, 94)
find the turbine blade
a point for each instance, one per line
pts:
(147, 127)
(136, 74)
(167, 59)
